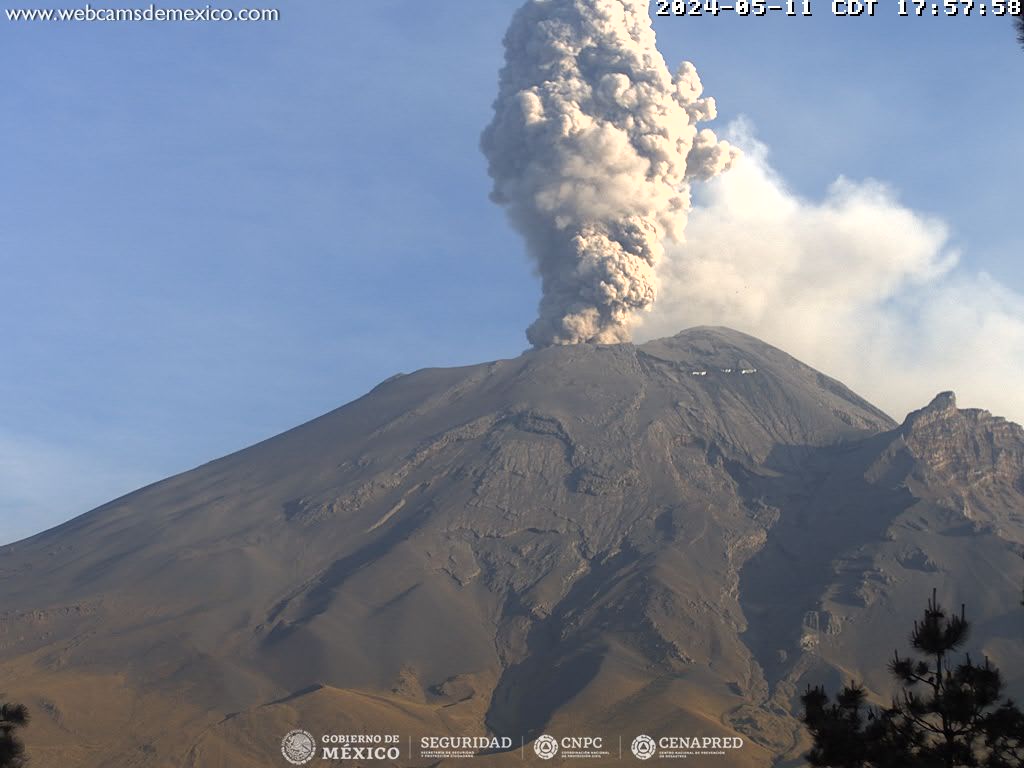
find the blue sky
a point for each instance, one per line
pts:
(210, 233)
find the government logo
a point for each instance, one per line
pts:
(546, 747)
(644, 747)
(298, 747)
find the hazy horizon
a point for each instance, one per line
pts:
(251, 233)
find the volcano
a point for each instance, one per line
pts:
(671, 539)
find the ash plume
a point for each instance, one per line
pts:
(855, 282)
(592, 149)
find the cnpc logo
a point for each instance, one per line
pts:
(547, 747)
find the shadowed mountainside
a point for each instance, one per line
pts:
(670, 538)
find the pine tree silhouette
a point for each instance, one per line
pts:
(947, 714)
(12, 751)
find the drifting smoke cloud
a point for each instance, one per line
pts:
(592, 148)
(857, 285)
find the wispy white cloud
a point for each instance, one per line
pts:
(857, 284)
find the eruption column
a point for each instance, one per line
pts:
(592, 149)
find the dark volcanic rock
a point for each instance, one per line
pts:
(666, 538)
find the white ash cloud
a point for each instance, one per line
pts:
(592, 149)
(856, 284)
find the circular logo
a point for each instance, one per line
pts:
(546, 747)
(644, 747)
(298, 747)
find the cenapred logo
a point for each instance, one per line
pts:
(298, 747)
(546, 747)
(684, 747)
(644, 747)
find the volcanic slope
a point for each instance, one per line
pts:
(671, 538)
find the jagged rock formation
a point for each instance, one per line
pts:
(670, 538)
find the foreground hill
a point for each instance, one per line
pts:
(670, 538)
